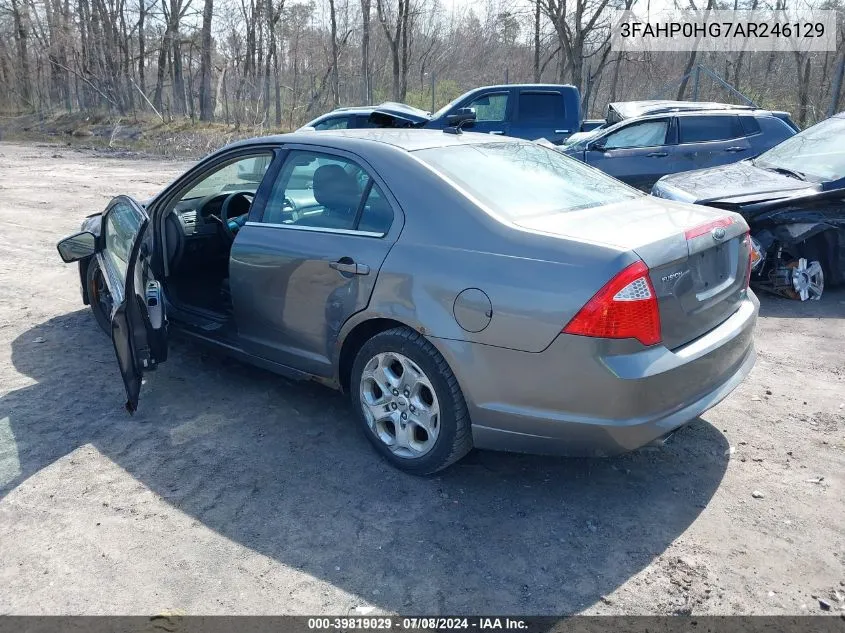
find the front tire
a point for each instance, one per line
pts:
(99, 297)
(409, 402)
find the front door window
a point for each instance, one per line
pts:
(490, 108)
(645, 134)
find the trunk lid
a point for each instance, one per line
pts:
(697, 256)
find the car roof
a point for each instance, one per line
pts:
(691, 113)
(524, 86)
(725, 112)
(387, 106)
(407, 139)
(348, 110)
(630, 109)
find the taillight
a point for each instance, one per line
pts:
(626, 307)
(747, 242)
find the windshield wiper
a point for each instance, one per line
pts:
(782, 170)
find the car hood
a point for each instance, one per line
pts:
(403, 112)
(735, 183)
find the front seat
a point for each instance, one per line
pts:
(337, 192)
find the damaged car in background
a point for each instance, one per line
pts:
(793, 198)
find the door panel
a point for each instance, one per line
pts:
(708, 141)
(541, 114)
(290, 302)
(638, 154)
(139, 332)
(310, 258)
(703, 155)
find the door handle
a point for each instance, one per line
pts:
(735, 149)
(496, 132)
(561, 131)
(348, 266)
(657, 155)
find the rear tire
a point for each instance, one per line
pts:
(409, 403)
(99, 297)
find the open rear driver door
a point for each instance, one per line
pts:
(139, 326)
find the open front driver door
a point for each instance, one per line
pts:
(139, 326)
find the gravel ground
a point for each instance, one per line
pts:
(235, 491)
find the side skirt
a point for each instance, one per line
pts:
(230, 349)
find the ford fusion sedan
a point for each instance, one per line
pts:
(464, 290)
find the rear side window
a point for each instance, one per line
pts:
(700, 129)
(749, 125)
(323, 191)
(541, 106)
(776, 129)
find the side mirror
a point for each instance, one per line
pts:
(597, 145)
(462, 116)
(78, 246)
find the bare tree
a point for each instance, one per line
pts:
(334, 60)
(19, 13)
(574, 29)
(366, 90)
(397, 37)
(206, 103)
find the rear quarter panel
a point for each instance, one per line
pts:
(535, 282)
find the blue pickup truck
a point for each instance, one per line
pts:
(529, 111)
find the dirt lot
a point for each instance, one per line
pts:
(234, 491)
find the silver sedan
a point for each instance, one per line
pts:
(464, 290)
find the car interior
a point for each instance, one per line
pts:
(313, 190)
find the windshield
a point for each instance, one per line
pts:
(817, 153)
(518, 180)
(447, 107)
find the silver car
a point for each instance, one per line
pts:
(465, 291)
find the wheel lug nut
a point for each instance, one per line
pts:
(407, 393)
(404, 416)
(392, 405)
(395, 392)
(412, 409)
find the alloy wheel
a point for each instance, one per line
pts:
(400, 404)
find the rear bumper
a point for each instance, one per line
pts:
(594, 397)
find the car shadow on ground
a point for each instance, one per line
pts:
(281, 468)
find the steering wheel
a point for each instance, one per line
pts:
(224, 211)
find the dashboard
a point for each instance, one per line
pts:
(199, 217)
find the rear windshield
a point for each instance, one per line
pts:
(519, 180)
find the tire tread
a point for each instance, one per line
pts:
(462, 442)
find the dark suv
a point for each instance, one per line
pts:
(641, 150)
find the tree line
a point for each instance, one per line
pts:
(279, 63)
